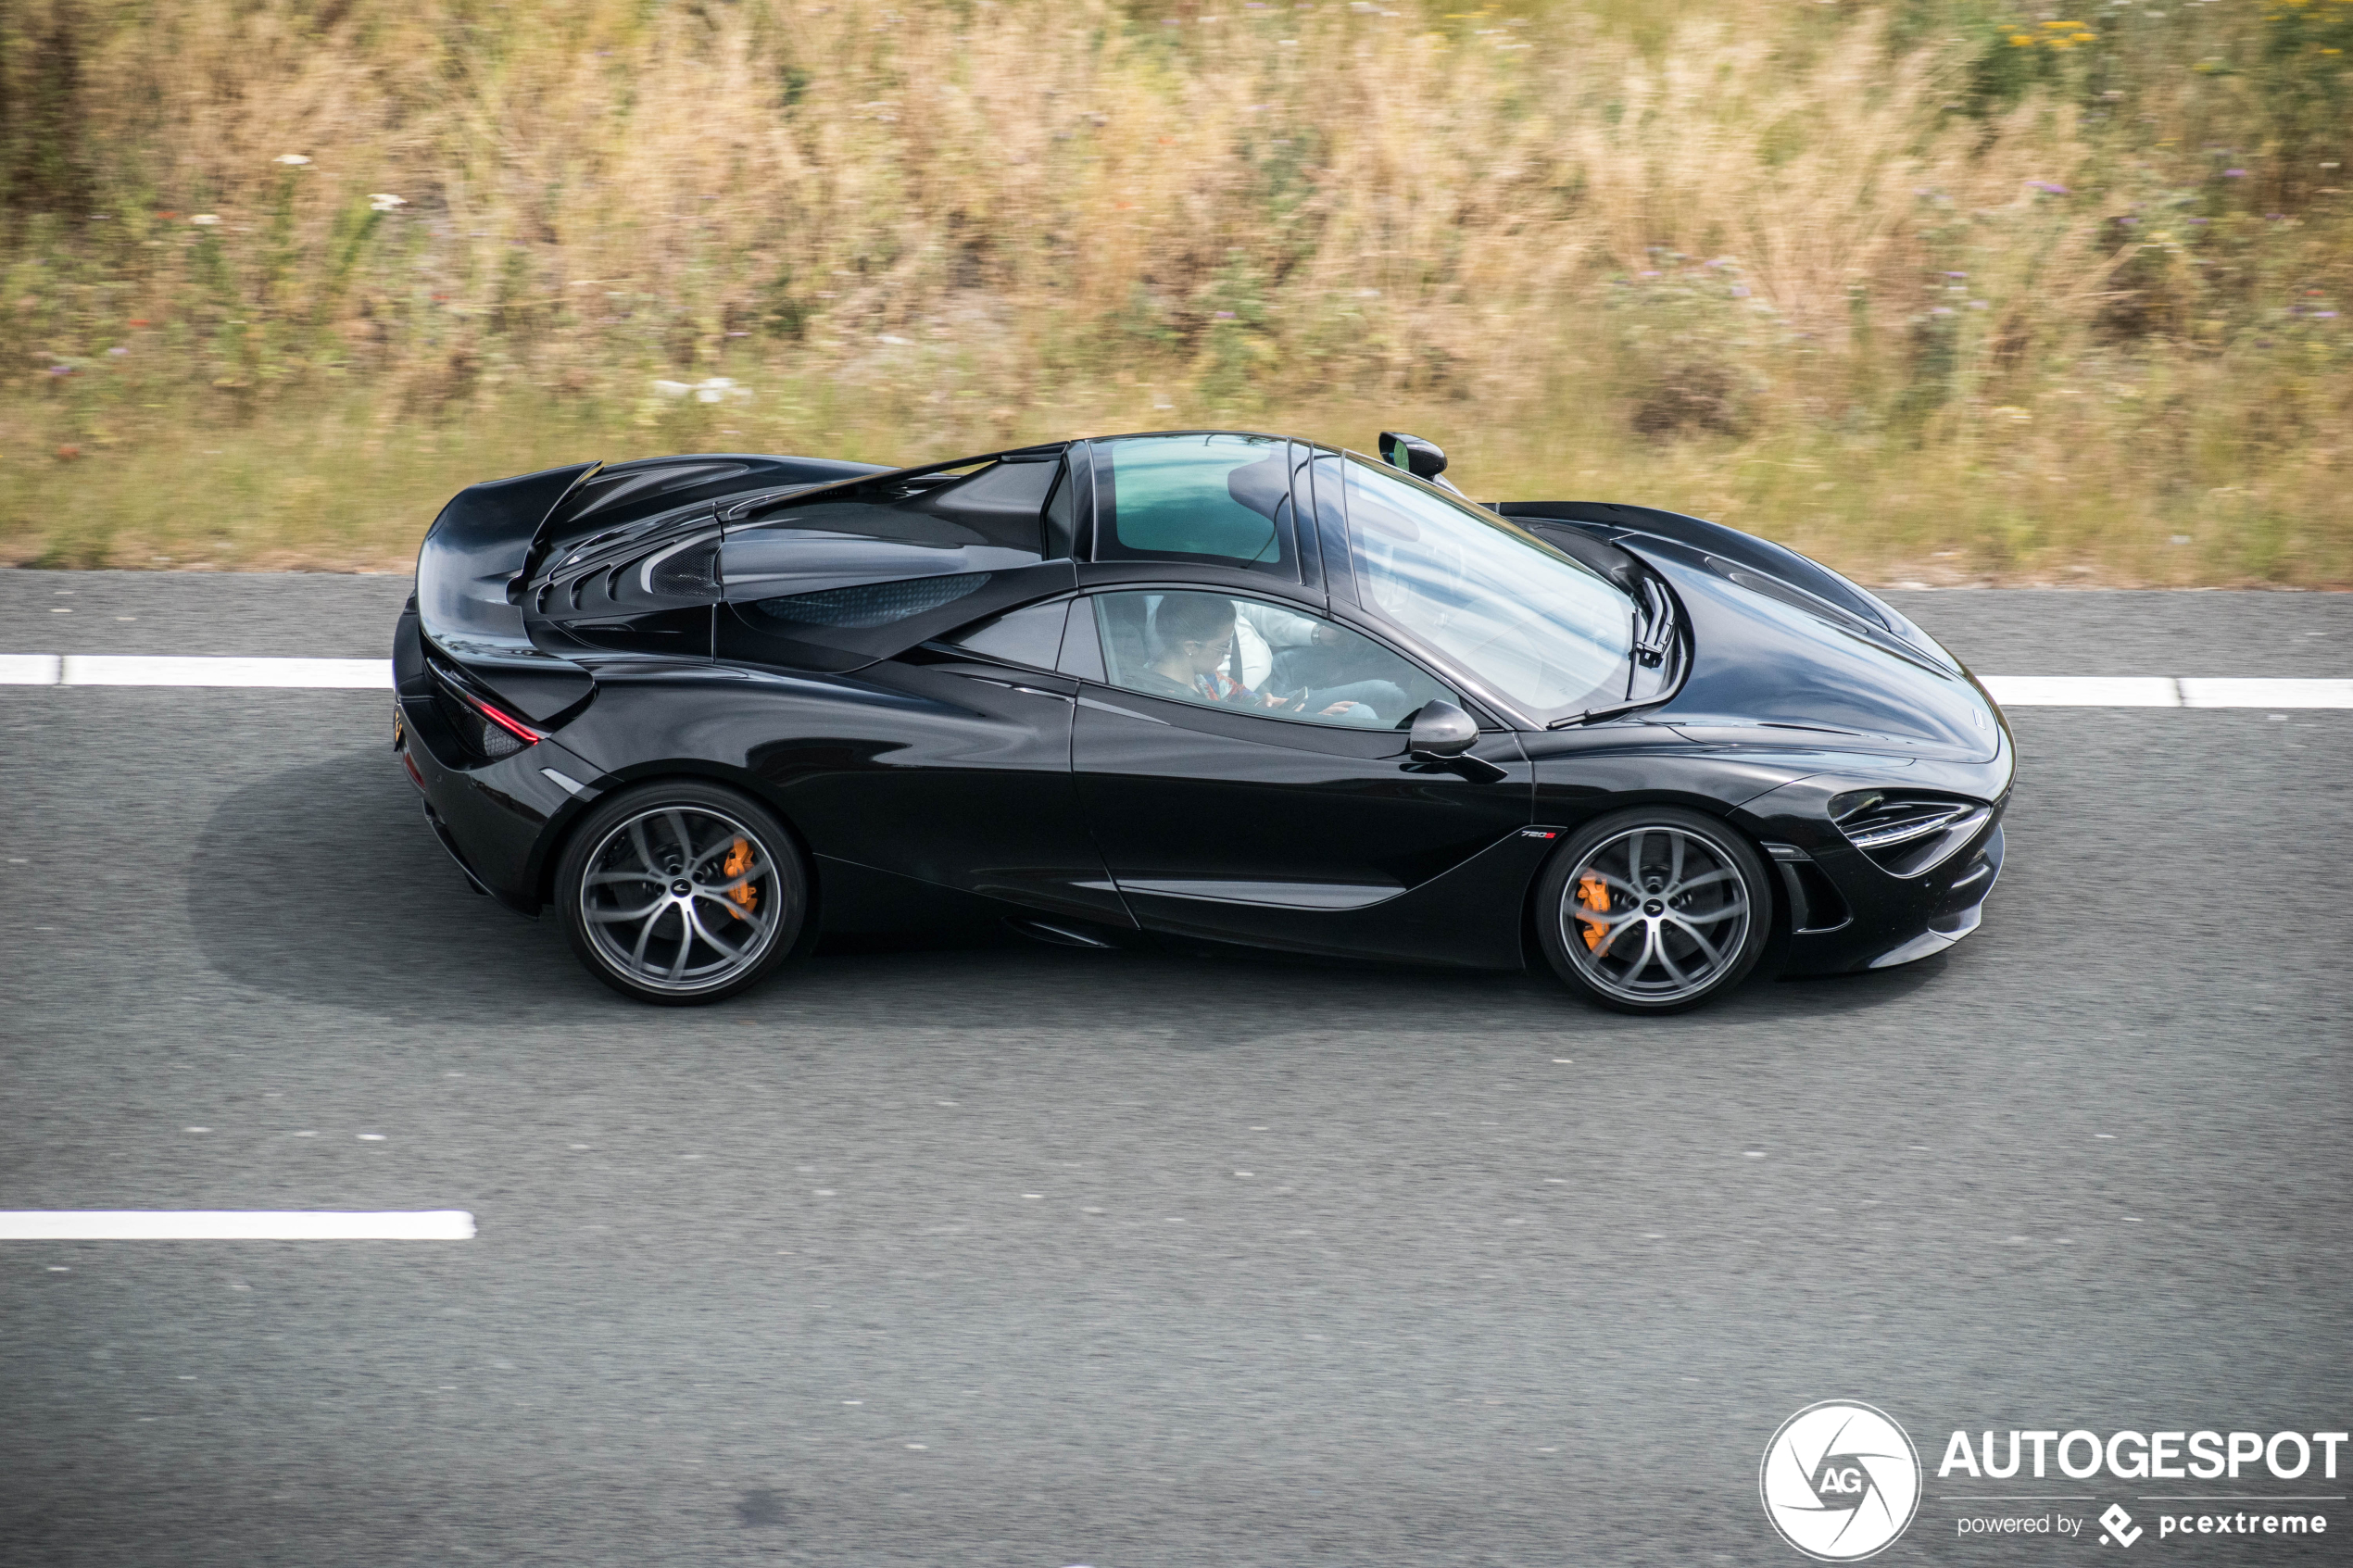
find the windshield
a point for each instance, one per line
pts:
(1537, 629)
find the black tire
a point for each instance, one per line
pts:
(681, 923)
(1689, 887)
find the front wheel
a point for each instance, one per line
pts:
(1653, 909)
(681, 892)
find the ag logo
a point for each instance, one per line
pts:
(1840, 1481)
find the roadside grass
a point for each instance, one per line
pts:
(350, 486)
(1931, 290)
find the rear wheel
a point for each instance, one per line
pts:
(1654, 909)
(680, 892)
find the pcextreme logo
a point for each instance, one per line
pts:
(1840, 1480)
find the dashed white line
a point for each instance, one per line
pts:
(156, 669)
(2200, 691)
(145, 669)
(233, 1224)
(2085, 691)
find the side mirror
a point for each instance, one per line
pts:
(1440, 730)
(1421, 459)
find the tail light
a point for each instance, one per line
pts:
(487, 732)
(1906, 835)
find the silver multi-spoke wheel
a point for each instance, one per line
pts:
(683, 898)
(1657, 915)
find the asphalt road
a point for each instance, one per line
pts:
(1323, 1264)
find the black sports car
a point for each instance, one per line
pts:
(1206, 684)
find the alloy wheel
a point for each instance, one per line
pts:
(681, 898)
(1656, 915)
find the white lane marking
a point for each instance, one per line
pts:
(2084, 691)
(2225, 692)
(232, 1225)
(375, 674)
(143, 670)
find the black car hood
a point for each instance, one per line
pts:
(1766, 664)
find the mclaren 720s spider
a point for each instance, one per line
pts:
(1209, 685)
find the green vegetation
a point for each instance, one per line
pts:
(1945, 290)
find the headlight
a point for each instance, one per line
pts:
(1905, 835)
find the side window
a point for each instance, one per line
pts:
(1252, 657)
(1031, 635)
(1217, 497)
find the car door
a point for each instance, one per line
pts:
(1283, 809)
(972, 790)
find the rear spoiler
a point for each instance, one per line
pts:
(472, 551)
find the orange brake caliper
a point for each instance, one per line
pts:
(738, 862)
(1594, 894)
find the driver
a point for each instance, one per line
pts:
(1194, 639)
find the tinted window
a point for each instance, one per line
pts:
(1252, 657)
(1226, 499)
(1032, 634)
(988, 518)
(1539, 629)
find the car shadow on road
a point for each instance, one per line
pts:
(322, 884)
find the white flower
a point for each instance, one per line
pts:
(384, 201)
(293, 159)
(204, 220)
(717, 389)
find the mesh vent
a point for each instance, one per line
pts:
(691, 573)
(872, 604)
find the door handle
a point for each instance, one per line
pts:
(1476, 769)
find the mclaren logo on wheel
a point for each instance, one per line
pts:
(1840, 1481)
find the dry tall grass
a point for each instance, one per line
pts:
(1877, 279)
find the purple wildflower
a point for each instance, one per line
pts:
(2050, 187)
(2235, 174)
